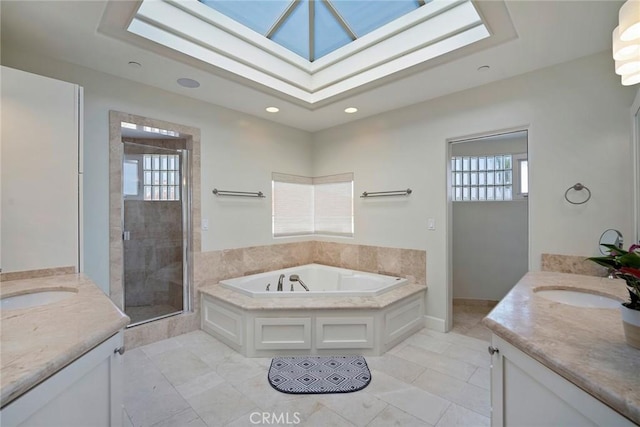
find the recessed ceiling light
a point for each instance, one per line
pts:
(190, 83)
(272, 109)
(484, 68)
(350, 110)
(134, 64)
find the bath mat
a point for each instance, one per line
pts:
(319, 374)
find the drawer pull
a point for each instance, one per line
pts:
(492, 350)
(119, 350)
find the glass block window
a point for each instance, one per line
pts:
(482, 178)
(161, 174)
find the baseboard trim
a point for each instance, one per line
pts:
(434, 323)
(475, 302)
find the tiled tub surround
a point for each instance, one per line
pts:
(37, 342)
(213, 266)
(584, 345)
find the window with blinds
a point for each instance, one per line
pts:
(304, 205)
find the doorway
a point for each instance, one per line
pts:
(489, 224)
(158, 282)
(155, 237)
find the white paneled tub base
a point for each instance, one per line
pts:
(321, 330)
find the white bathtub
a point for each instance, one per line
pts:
(321, 280)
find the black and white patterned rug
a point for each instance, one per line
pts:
(319, 374)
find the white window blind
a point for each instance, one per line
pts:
(292, 205)
(333, 213)
(303, 205)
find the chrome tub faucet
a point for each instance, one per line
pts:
(296, 278)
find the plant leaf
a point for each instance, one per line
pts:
(630, 260)
(635, 299)
(605, 261)
(614, 248)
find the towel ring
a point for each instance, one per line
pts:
(577, 187)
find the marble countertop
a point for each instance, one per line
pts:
(39, 341)
(584, 345)
(305, 303)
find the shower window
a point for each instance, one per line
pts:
(131, 180)
(161, 174)
(488, 178)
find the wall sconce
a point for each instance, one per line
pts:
(626, 43)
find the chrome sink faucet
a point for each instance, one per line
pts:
(280, 279)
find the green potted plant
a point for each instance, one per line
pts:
(625, 265)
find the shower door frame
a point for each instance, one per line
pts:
(192, 177)
(185, 209)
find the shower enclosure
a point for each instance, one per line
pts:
(155, 221)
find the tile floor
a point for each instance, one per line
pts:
(193, 380)
(466, 321)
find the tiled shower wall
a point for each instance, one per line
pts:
(153, 255)
(213, 266)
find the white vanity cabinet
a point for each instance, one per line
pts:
(86, 393)
(526, 393)
(40, 173)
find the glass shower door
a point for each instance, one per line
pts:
(153, 232)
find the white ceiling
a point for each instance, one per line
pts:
(549, 32)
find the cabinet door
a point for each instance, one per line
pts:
(88, 392)
(39, 173)
(497, 384)
(526, 393)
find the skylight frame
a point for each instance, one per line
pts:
(275, 20)
(191, 27)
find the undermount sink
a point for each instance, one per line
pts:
(577, 298)
(35, 299)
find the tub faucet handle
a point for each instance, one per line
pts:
(296, 278)
(268, 285)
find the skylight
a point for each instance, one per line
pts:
(313, 28)
(310, 51)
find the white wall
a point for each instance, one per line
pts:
(577, 114)
(490, 244)
(239, 152)
(39, 172)
(489, 239)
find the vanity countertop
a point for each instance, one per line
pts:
(584, 345)
(37, 342)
